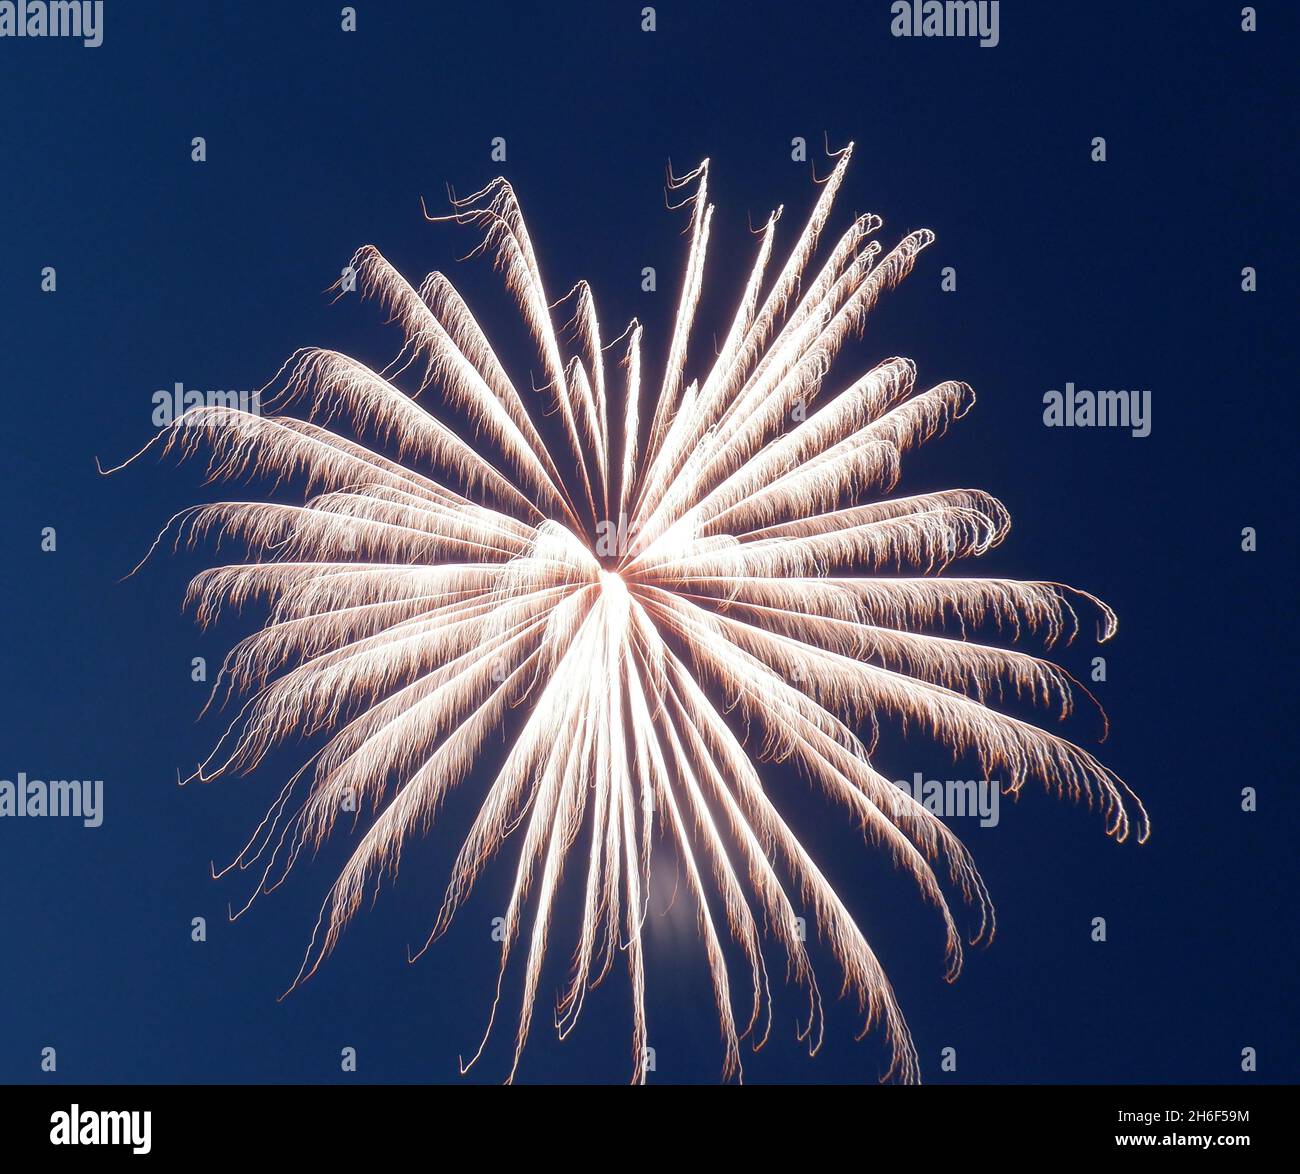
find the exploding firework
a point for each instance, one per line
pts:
(680, 582)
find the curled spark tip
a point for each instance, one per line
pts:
(685, 577)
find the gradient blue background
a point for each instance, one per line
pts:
(1123, 275)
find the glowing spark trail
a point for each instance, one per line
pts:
(687, 575)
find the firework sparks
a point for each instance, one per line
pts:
(684, 581)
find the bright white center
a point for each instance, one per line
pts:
(611, 584)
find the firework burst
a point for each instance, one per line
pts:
(682, 581)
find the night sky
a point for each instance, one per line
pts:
(1118, 274)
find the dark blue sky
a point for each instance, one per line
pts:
(1125, 274)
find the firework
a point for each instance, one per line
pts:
(677, 582)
